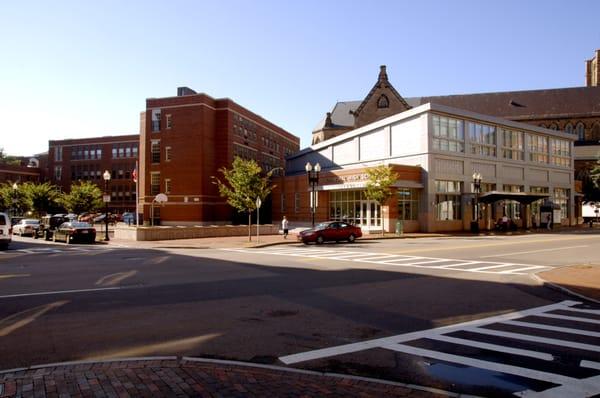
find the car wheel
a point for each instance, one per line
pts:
(46, 236)
(305, 242)
(351, 238)
(320, 240)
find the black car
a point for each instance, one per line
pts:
(72, 231)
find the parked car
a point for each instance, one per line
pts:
(128, 218)
(27, 226)
(15, 220)
(87, 217)
(72, 231)
(101, 217)
(330, 231)
(5, 231)
(49, 224)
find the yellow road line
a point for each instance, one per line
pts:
(6, 276)
(24, 318)
(478, 245)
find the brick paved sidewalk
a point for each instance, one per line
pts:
(186, 378)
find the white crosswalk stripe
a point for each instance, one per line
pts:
(434, 263)
(54, 250)
(508, 352)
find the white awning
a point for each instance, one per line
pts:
(363, 184)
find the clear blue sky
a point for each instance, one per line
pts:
(79, 68)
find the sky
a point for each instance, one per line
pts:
(74, 69)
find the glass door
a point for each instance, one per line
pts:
(370, 216)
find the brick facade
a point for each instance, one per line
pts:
(193, 136)
(86, 159)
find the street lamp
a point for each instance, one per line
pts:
(313, 180)
(476, 191)
(106, 198)
(15, 187)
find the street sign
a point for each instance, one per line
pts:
(106, 198)
(258, 203)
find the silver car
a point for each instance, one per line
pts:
(27, 226)
(5, 231)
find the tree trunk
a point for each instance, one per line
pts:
(249, 226)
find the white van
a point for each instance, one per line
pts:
(5, 231)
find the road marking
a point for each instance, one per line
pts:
(401, 343)
(534, 251)
(552, 328)
(583, 310)
(64, 292)
(24, 318)
(113, 279)
(6, 276)
(571, 318)
(387, 259)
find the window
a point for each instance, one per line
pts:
(383, 102)
(167, 185)
(168, 154)
(580, 131)
(297, 202)
(155, 151)
(561, 152)
(408, 204)
(512, 144)
(538, 148)
(114, 152)
(154, 183)
(596, 132)
(135, 151)
(447, 200)
(553, 126)
(169, 122)
(57, 173)
(58, 153)
(128, 152)
(569, 128)
(98, 153)
(448, 134)
(156, 120)
(346, 206)
(483, 139)
(561, 198)
(121, 152)
(512, 208)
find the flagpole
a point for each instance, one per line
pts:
(137, 194)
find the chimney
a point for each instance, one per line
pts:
(181, 91)
(382, 73)
(328, 122)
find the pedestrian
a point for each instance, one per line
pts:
(549, 222)
(284, 226)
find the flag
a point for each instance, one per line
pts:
(134, 175)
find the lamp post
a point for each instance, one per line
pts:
(313, 180)
(106, 199)
(15, 188)
(476, 190)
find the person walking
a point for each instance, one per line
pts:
(284, 226)
(549, 222)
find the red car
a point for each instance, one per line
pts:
(330, 231)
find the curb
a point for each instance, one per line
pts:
(182, 360)
(562, 289)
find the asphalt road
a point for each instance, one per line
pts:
(61, 303)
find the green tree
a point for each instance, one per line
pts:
(41, 197)
(13, 198)
(379, 185)
(244, 183)
(84, 197)
(595, 174)
(4, 158)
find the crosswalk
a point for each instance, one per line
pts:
(54, 250)
(556, 347)
(397, 260)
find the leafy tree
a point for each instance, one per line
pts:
(4, 158)
(41, 197)
(595, 174)
(244, 183)
(379, 185)
(84, 197)
(14, 199)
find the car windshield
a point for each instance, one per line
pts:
(79, 224)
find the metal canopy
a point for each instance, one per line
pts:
(521, 197)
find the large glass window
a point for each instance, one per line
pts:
(483, 139)
(512, 145)
(408, 204)
(561, 198)
(512, 208)
(345, 206)
(561, 152)
(447, 200)
(155, 150)
(448, 134)
(538, 148)
(154, 183)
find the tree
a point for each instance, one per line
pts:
(244, 184)
(595, 174)
(41, 197)
(14, 199)
(84, 197)
(379, 185)
(11, 160)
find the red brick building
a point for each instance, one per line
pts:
(86, 159)
(186, 139)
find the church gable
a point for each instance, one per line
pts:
(382, 101)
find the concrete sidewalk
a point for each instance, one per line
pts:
(579, 280)
(190, 377)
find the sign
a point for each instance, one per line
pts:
(258, 203)
(106, 198)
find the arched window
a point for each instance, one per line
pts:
(543, 125)
(383, 102)
(596, 132)
(569, 128)
(553, 126)
(580, 130)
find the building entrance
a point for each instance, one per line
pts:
(370, 215)
(354, 208)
